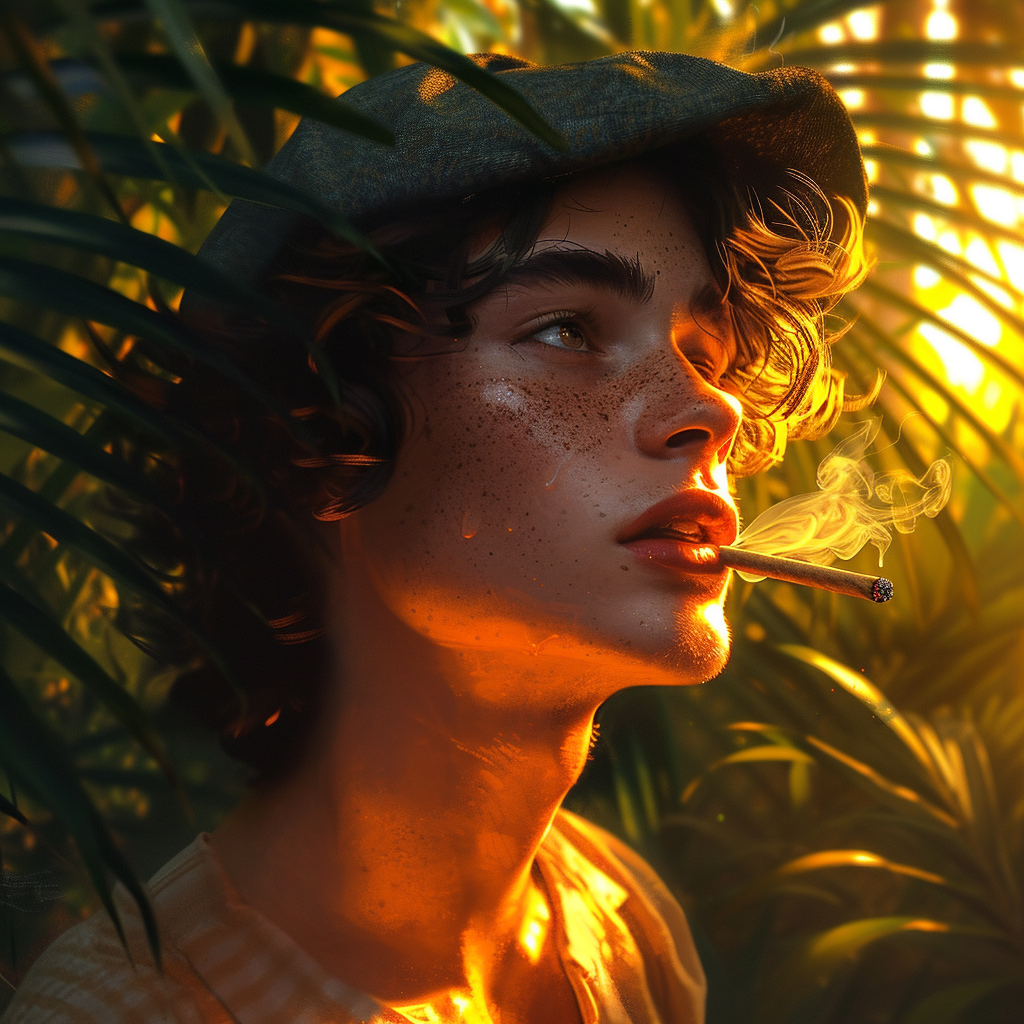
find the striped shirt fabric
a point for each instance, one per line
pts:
(622, 939)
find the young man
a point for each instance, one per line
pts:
(523, 487)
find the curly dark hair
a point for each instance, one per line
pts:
(241, 556)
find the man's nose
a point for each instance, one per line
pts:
(684, 416)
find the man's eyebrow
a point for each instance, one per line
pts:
(606, 270)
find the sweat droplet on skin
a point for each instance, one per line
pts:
(551, 482)
(470, 524)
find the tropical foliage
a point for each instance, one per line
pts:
(843, 810)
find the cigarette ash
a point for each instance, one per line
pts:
(851, 508)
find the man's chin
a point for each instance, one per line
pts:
(703, 644)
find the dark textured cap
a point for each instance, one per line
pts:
(452, 142)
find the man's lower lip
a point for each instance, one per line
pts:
(681, 555)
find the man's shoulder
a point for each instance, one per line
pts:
(85, 975)
(88, 976)
(603, 848)
(654, 915)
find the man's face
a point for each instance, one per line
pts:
(524, 515)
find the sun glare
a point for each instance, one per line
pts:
(831, 33)
(863, 25)
(989, 156)
(715, 618)
(976, 112)
(967, 313)
(924, 227)
(940, 25)
(979, 253)
(1012, 257)
(937, 105)
(942, 190)
(960, 365)
(998, 205)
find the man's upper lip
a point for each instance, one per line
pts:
(715, 517)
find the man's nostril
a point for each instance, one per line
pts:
(693, 435)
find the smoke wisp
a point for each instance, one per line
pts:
(851, 508)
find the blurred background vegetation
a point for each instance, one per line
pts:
(842, 812)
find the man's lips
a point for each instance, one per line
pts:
(683, 532)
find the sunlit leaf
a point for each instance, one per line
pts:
(866, 693)
(750, 755)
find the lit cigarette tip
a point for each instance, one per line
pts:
(808, 574)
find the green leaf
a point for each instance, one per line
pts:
(898, 352)
(66, 529)
(958, 172)
(30, 353)
(43, 431)
(846, 80)
(895, 300)
(367, 26)
(854, 859)
(6, 807)
(914, 201)
(181, 35)
(749, 755)
(31, 57)
(943, 432)
(138, 248)
(38, 627)
(39, 762)
(949, 1004)
(410, 41)
(875, 781)
(819, 957)
(78, 14)
(77, 297)
(996, 53)
(867, 693)
(924, 126)
(253, 86)
(122, 155)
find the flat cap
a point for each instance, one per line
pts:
(452, 142)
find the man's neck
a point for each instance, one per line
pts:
(405, 839)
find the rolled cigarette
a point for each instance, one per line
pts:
(824, 577)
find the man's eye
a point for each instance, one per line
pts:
(564, 335)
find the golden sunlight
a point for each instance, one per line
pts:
(976, 112)
(989, 156)
(996, 204)
(863, 25)
(715, 618)
(937, 105)
(962, 368)
(940, 24)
